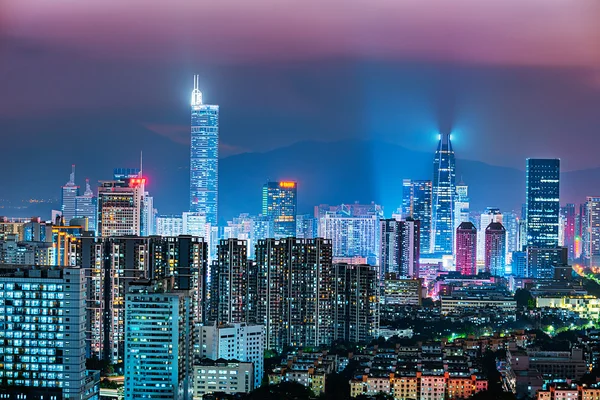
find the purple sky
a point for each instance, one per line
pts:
(516, 78)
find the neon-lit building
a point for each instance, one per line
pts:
(120, 204)
(568, 213)
(466, 249)
(443, 196)
(204, 157)
(592, 232)
(495, 249)
(279, 202)
(416, 204)
(542, 202)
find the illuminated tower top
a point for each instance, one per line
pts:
(196, 93)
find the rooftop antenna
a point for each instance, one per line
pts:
(196, 93)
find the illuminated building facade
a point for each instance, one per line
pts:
(204, 157)
(70, 191)
(542, 202)
(120, 204)
(279, 202)
(352, 236)
(568, 214)
(443, 196)
(159, 341)
(591, 235)
(466, 249)
(416, 204)
(293, 288)
(495, 249)
(461, 205)
(43, 337)
(112, 263)
(400, 249)
(490, 215)
(85, 207)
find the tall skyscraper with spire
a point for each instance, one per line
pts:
(444, 190)
(70, 191)
(85, 206)
(204, 157)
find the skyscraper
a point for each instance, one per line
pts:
(70, 191)
(444, 189)
(399, 248)
(490, 215)
(85, 206)
(461, 205)
(120, 203)
(294, 292)
(466, 249)
(592, 232)
(542, 202)
(204, 157)
(279, 202)
(568, 213)
(416, 204)
(495, 249)
(351, 235)
(158, 341)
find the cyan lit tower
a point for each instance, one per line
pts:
(416, 204)
(444, 190)
(543, 202)
(85, 206)
(70, 191)
(495, 249)
(204, 157)
(279, 202)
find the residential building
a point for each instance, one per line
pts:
(159, 332)
(229, 377)
(169, 225)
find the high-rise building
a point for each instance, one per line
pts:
(543, 263)
(352, 235)
(239, 341)
(495, 249)
(461, 205)
(229, 288)
(159, 332)
(400, 248)
(148, 216)
(519, 264)
(568, 213)
(120, 204)
(204, 157)
(490, 215)
(85, 207)
(416, 204)
(43, 334)
(114, 262)
(355, 302)
(279, 202)
(444, 189)
(542, 202)
(307, 226)
(293, 288)
(70, 191)
(591, 235)
(466, 249)
(511, 223)
(263, 227)
(169, 225)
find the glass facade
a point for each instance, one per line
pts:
(542, 202)
(279, 202)
(416, 204)
(444, 190)
(204, 157)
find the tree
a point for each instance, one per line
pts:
(524, 298)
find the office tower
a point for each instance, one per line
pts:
(495, 249)
(466, 249)
(158, 341)
(511, 223)
(279, 202)
(519, 264)
(543, 263)
(490, 215)
(568, 214)
(293, 289)
(85, 207)
(592, 232)
(120, 204)
(461, 205)
(542, 202)
(229, 297)
(444, 189)
(416, 204)
(70, 191)
(400, 248)
(112, 263)
(43, 334)
(148, 216)
(355, 303)
(522, 231)
(237, 341)
(169, 225)
(204, 157)
(307, 226)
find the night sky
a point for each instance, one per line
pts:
(93, 82)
